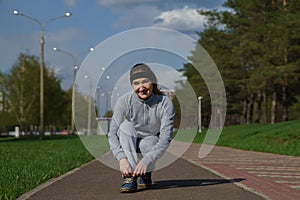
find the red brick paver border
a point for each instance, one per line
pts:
(273, 176)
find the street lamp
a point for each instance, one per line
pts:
(199, 114)
(89, 104)
(75, 67)
(73, 58)
(92, 49)
(42, 42)
(107, 95)
(98, 102)
(74, 76)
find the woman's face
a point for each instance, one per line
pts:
(142, 87)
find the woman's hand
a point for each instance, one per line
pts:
(140, 169)
(125, 167)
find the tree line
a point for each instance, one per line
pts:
(20, 94)
(256, 46)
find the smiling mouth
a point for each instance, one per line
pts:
(143, 93)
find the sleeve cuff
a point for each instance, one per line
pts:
(146, 160)
(120, 155)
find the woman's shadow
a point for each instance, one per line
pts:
(166, 184)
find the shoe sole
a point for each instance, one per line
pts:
(127, 190)
(143, 186)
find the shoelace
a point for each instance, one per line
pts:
(128, 180)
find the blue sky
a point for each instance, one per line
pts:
(92, 21)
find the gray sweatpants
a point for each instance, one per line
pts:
(135, 147)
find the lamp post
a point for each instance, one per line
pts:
(89, 123)
(42, 43)
(74, 61)
(75, 67)
(98, 102)
(74, 76)
(199, 114)
(107, 95)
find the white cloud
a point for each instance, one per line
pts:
(70, 3)
(173, 14)
(185, 19)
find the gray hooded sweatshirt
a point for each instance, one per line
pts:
(154, 116)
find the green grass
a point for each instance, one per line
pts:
(26, 163)
(280, 138)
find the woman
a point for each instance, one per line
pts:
(142, 123)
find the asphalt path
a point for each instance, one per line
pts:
(181, 180)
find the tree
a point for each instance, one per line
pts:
(57, 103)
(286, 41)
(5, 116)
(22, 89)
(256, 48)
(22, 86)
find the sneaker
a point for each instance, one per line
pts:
(144, 181)
(129, 185)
